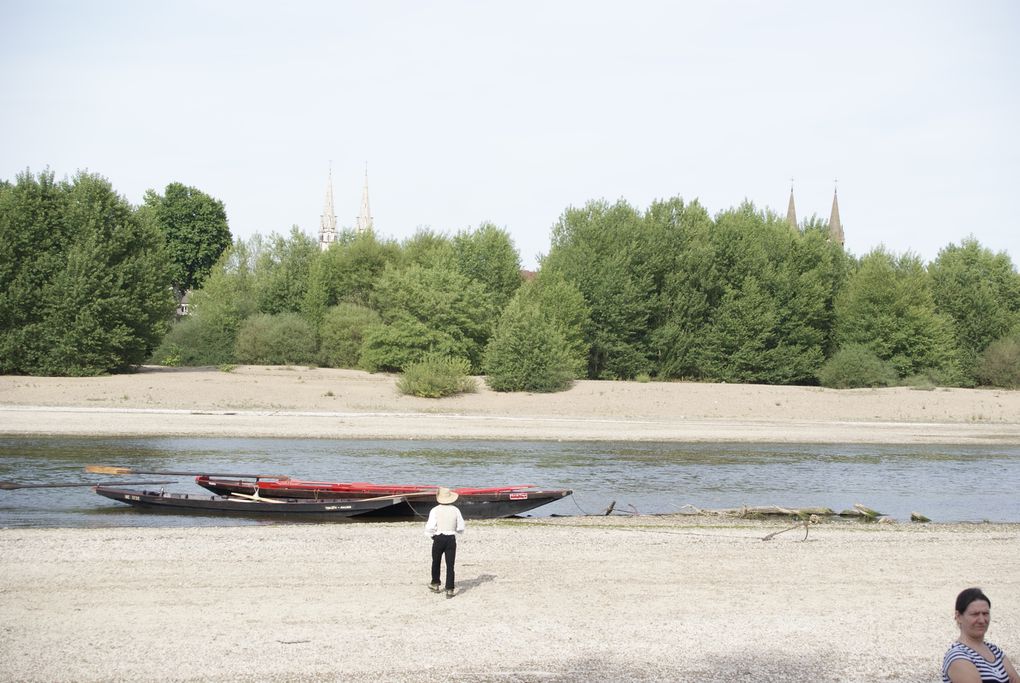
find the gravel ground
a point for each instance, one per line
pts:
(556, 599)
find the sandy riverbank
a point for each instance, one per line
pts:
(553, 599)
(585, 599)
(328, 403)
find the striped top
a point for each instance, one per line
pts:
(991, 672)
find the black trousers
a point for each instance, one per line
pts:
(443, 544)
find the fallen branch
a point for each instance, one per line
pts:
(806, 524)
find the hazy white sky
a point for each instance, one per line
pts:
(511, 112)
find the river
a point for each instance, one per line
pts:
(945, 483)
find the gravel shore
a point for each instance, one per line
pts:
(653, 598)
(565, 599)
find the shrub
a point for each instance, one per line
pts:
(528, 352)
(275, 340)
(436, 376)
(195, 340)
(342, 334)
(856, 366)
(999, 364)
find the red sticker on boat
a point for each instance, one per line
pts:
(518, 496)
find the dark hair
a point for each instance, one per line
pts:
(968, 596)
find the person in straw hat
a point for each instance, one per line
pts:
(443, 525)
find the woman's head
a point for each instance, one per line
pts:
(969, 595)
(973, 614)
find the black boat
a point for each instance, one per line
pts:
(249, 505)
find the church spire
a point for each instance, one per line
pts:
(791, 211)
(835, 227)
(327, 222)
(364, 222)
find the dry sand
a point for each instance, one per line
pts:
(551, 599)
(326, 403)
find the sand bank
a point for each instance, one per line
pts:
(345, 404)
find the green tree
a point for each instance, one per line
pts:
(427, 310)
(749, 300)
(527, 352)
(84, 280)
(282, 272)
(342, 334)
(488, 256)
(602, 249)
(218, 309)
(980, 291)
(564, 306)
(195, 229)
(347, 272)
(428, 249)
(888, 308)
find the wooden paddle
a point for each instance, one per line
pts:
(401, 495)
(10, 485)
(256, 498)
(107, 469)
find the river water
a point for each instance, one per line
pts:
(945, 483)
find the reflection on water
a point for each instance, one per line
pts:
(946, 483)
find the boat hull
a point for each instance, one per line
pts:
(492, 503)
(180, 502)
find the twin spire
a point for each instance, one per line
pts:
(327, 222)
(835, 226)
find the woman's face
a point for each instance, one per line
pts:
(975, 619)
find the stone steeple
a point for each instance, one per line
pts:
(327, 222)
(791, 211)
(835, 227)
(364, 222)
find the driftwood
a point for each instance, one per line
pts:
(761, 511)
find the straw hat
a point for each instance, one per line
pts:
(445, 496)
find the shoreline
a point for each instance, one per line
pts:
(323, 403)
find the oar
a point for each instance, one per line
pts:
(400, 495)
(255, 498)
(10, 485)
(105, 469)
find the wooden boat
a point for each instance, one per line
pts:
(235, 504)
(474, 503)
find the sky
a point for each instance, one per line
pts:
(466, 112)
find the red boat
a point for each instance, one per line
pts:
(474, 503)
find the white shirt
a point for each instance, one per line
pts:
(444, 519)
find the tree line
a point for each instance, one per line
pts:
(669, 293)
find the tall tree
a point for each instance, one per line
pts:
(602, 249)
(195, 229)
(427, 310)
(86, 291)
(489, 256)
(888, 307)
(282, 271)
(980, 291)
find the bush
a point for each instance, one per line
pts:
(194, 341)
(856, 366)
(281, 339)
(342, 334)
(999, 364)
(436, 376)
(528, 352)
